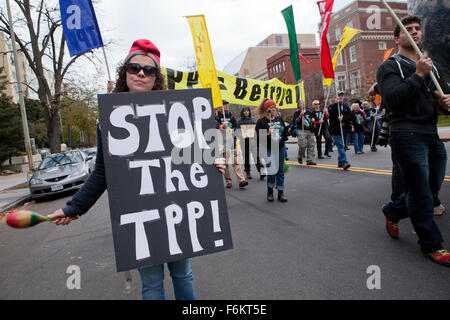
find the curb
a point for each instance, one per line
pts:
(16, 203)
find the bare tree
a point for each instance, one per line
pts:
(38, 32)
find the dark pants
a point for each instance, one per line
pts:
(422, 160)
(323, 133)
(396, 209)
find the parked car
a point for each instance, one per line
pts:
(59, 172)
(91, 152)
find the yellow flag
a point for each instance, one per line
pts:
(205, 62)
(347, 35)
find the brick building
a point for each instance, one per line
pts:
(279, 66)
(358, 62)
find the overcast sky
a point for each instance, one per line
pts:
(233, 25)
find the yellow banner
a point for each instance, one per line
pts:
(205, 60)
(347, 35)
(242, 91)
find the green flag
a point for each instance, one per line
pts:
(290, 23)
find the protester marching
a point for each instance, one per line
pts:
(167, 140)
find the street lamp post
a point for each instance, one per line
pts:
(26, 133)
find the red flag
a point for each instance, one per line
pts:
(303, 58)
(325, 8)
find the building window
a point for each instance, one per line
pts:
(382, 46)
(338, 34)
(355, 79)
(340, 82)
(389, 21)
(279, 40)
(284, 67)
(350, 24)
(340, 61)
(352, 54)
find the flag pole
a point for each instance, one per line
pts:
(106, 62)
(414, 45)
(340, 123)
(325, 107)
(373, 130)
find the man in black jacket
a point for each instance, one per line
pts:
(406, 87)
(340, 122)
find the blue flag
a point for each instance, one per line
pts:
(80, 26)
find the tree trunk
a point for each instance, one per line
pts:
(53, 124)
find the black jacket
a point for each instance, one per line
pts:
(345, 112)
(228, 118)
(307, 120)
(411, 99)
(280, 135)
(92, 189)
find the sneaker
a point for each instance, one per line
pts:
(346, 166)
(300, 160)
(326, 154)
(391, 227)
(340, 165)
(243, 184)
(248, 175)
(311, 163)
(229, 185)
(320, 157)
(440, 256)
(439, 210)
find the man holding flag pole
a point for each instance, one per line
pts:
(413, 88)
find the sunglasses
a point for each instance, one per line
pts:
(134, 68)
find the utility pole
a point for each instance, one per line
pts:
(26, 133)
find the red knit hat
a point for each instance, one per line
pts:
(268, 104)
(145, 47)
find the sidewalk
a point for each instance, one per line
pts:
(13, 191)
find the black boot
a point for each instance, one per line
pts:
(281, 196)
(270, 194)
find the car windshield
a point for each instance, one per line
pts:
(60, 159)
(91, 152)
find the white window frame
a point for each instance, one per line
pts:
(340, 60)
(353, 57)
(382, 45)
(338, 34)
(340, 82)
(355, 79)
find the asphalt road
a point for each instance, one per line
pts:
(318, 245)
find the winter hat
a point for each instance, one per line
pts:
(268, 104)
(145, 47)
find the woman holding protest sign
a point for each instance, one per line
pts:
(139, 72)
(270, 127)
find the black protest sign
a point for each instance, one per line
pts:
(162, 210)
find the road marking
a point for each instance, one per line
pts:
(354, 169)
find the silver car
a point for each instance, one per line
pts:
(59, 172)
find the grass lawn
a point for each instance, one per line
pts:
(443, 121)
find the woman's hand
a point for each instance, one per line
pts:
(59, 218)
(110, 86)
